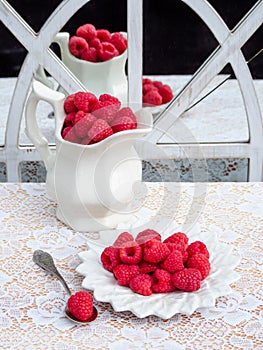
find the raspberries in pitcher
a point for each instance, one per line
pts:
(90, 119)
(148, 265)
(96, 45)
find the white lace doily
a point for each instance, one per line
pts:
(32, 302)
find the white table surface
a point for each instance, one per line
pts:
(220, 117)
(31, 301)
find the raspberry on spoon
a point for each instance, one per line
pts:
(80, 307)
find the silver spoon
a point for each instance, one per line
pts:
(46, 262)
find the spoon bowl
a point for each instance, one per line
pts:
(46, 262)
(74, 319)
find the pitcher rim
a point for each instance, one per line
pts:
(142, 130)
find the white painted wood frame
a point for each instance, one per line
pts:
(230, 43)
(228, 51)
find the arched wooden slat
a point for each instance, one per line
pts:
(228, 51)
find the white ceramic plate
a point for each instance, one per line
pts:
(155, 109)
(166, 305)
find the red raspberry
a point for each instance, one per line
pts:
(187, 280)
(89, 54)
(65, 131)
(147, 236)
(122, 124)
(166, 92)
(148, 87)
(173, 262)
(87, 31)
(197, 247)
(162, 282)
(83, 123)
(111, 99)
(155, 251)
(126, 112)
(69, 105)
(157, 84)
(81, 101)
(141, 284)
(200, 262)
(124, 273)
(152, 98)
(107, 107)
(70, 118)
(80, 305)
(110, 258)
(118, 40)
(147, 267)
(96, 43)
(178, 246)
(100, 130)
(71, 136)
(178, 237)
(91, 142)
(105, 110)
(103, 35)
(85, 101)
(77, 45)
(78, 116)
(86, 141)
(131, 255)
(92, 100)
(124, 239)
(147, 81)
(107, 51)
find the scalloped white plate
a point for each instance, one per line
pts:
(165, 305)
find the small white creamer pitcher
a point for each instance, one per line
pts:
(106, 77)
(92, 184)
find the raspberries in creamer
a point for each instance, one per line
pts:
(148, 265)
(96, 45)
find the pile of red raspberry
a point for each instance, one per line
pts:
(96, 45)
(155, 92)
(147, 265)
(90, 119)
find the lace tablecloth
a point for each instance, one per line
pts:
(32, 301)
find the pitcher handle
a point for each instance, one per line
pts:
(41, 76)
(61, 39)
(40, 92)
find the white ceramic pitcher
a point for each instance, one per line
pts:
(92, 185)
(98, 77)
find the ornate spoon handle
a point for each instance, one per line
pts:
(46, 262)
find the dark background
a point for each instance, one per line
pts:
(176, 41)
